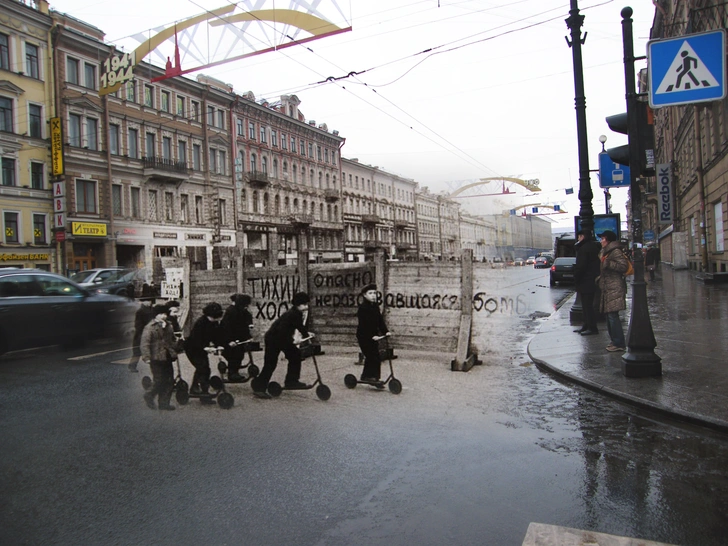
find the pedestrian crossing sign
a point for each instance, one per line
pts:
(687, 69)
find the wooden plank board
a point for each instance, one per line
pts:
(463, 343)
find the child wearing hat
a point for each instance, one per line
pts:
(205, 332)
(371, 324)
(237, 324)
(279, 338)
(158, 348)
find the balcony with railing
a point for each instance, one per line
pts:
(372, 244)
(370, 219)
(331, 195)
(403, 247)
(258, 179)
(301, 220)
(162, 169)
(400, 223)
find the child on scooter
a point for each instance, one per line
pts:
(205, 332)
(279, 337)
(371, 325)
(158, 348)
(237, 324)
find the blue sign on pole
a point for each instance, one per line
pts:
(649, 235)
(687, 69)
(611, 174)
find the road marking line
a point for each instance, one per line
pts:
(84, 357)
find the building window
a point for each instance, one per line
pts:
(310, 149)
(221, 119)
(256, 206)
(164, 106)
(6, 115)
(133, 140)
(31, 61)
(169, 206)
(114, 139)
(239, 127)
(221, 211)
(136, 202)
(37, 177)
(116, 199)
(152, 205)
(11, 227)
(131, 91)
(35, 118)
(211, 116)
(39, 229)
(86, 196)
(244, 201)
(4, 52)
(182, 152)
(74, 130)
(180, 106)
(263, 134)
(274, 139)
(301, 147)
(89, 73)
(253, 163)
(8, 171)
(167, 148)
(149, 96)
(275, 168)
(719, 234)
(213, 161)
(195, 111)
(92, 134)
(264, 164)
(199, 213)
(184, 208)
(221, 165)
(251, 130)
(284, 142)
(318, 153)
(326, 155)
(293, 144)
(150, 149)
(196, 157)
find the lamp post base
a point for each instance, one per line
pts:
(642, 364)
(576, 313)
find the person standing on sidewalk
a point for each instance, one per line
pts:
(611, 281)
(651, 260)
(586, 272)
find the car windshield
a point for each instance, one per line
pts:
(565, 261)
(82, 276)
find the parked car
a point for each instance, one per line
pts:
(530, 260)
(90, 277)
(562, 271)
(123, 283)
(542, 262)
(518, 261)
(38, 308)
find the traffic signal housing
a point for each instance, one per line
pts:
(619, 123)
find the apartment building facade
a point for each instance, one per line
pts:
(26, 105)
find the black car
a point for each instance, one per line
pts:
(542, 262)
(562, 271)
(119, 284)
(38, 308)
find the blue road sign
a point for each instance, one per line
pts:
(611, 174)
(687, 69)
(649, 235)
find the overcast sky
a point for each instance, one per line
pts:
(493, 97)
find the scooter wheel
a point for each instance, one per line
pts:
(182, 397)
(146, 382)
(253, 370)
(225, 400)
(274, 389)
(323, 392)
(182, 386)
(216, 383)
(350, 380)
(221, 367)
(395, 386)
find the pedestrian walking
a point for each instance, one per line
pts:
(613, 287)
(205, 332)
(651, 258)
(237, 324)
(141, 318)
(370, 325)
(586, 271)
(159, 349)
(280, 338)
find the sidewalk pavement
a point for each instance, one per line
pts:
(690, 323)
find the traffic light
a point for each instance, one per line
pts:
(619, 123)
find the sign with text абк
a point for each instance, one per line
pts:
(665, 206)
(686, 69)
(611, 174)
(56, 147)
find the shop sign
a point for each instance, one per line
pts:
(8, 257)
(164, 235)
(87, 229)
(60, 236)
(196, 236)
(56, 147)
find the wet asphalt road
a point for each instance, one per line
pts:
(456, 458)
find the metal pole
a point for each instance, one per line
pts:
(586, 212)
(640, 359)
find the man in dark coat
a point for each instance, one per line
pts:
(586, 271)
(279, 337)
(371, 325)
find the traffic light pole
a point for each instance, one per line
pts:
(640, 359)
(586, 212)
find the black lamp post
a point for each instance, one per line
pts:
(586, 212)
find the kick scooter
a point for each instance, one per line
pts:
(395, 386)
(322, 391)
(253, 370)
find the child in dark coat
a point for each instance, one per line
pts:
(237, 324)
(205, 332)
(279, 337)
(371, 325)
(158, 348)
(142, 317)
